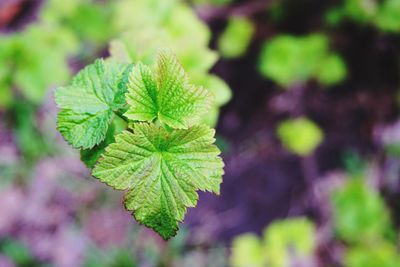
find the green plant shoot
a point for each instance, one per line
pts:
(164, 154)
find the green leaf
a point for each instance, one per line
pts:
(165, 94)
(382, 254)
(236, 38)
(169, 24)
(221, 91)
(32, 75)
(360, 214)
(218, 87)
(247, 251)
(285, 242)
(30, 140)
(288, 241)
(89, 102)
(361, 10)
(388, 17)
(332, 70)
(290, 60)
(90, 156)
(300, 135)
(161, 171)
(83, 129)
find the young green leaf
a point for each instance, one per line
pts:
(165, 94)
(161, 171)
(89, 102)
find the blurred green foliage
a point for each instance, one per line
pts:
(360, 10)
(22, 66)
(388, 16)
(91, 21)
(37, 58)
(385, 14)
(283, 241)
(29, 137)
(380, 254)
(18, 253)
(354, 165)
(173, 27)
(286, 239)
(361, 221)
(291, 61)
(360, 214)
(300, 136)
(114, 257)
(247, 250)
(236, 38)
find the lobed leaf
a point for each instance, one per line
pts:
(89, 102)
(161, 172)
(165, 94)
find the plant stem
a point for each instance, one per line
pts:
(119, 114)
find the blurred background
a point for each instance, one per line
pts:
(307, 117)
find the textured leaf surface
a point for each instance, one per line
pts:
(88, 103)
(83, 129)
(161, 172)
(165, 94)
(90, 156)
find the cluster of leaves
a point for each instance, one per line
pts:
(291, 61)
(171, 24)
(164, 155)
(385, 15)
(285, 243)
(300, 136)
